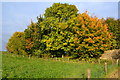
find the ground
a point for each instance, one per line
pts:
(15, 66)
(114, 74)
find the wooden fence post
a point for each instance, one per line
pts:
(117, 62)
(88, 74)
(62, 56)
(105, 67)
(56, 58)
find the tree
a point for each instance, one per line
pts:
(64, 32)
(82, 36)
(113, 27)
(118, 34)
(16, 44)
(33, 36)
(93, 37)
(62, 12)
(54, 26)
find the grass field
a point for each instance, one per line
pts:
(22, 67)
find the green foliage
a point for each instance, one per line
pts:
(62, 12)
(38, 52)
(79, 37)
(16, 44)
(64, 32)
(115, 29)
(42, 54)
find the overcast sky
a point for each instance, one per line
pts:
(16, 16)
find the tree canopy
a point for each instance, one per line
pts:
(64, 31)
(62, 12)
(114, 27)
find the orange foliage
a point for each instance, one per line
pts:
(29, 43)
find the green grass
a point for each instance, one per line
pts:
(22, 67)
(0, 64)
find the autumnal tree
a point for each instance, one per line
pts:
(92, 36)
(61, 12)
(118, 34)
(55, 24)
(113, 27)
(64, 32)
(82, 36)
(33, 36)
(16, 44)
